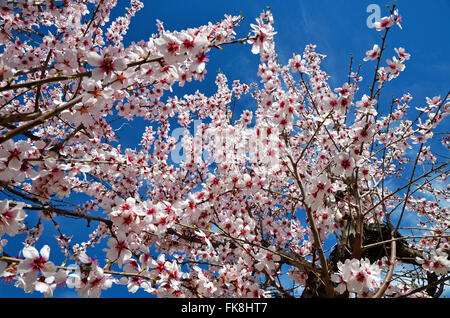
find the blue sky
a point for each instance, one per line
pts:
(338, 28)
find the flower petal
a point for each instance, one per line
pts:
(49, 267)
(30, 252)
(45, 252)
(94, 59)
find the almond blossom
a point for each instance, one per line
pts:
(263, 34)
(12, 157)
(372, 54)
(91, 285)
(35, 262)
(357, 276)
(267, 260)
(344, 164)
(139, 281)
(106, 65)
(11, 218)
(118, 249)
(297, 183)
(385, 22)
(436, 262)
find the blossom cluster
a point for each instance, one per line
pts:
(357, 276)
(254, 198)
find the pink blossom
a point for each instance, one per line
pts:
(395, 66)
(385, 22)
(356, 276)
(263, 33)
(50, 282)
(106, 64)
(402, 54)
(118, 249)
(12, 154)
(436, 262)
(372, 54)
(134, 283)
(34, 263)
(96, 93)
(297, 64)
(266, 260)
(11, 218)
(344, 164)
(92, 284)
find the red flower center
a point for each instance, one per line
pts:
(107, 65)
(38, 263)
(172, 47)
(360, 277)
(345, 164)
